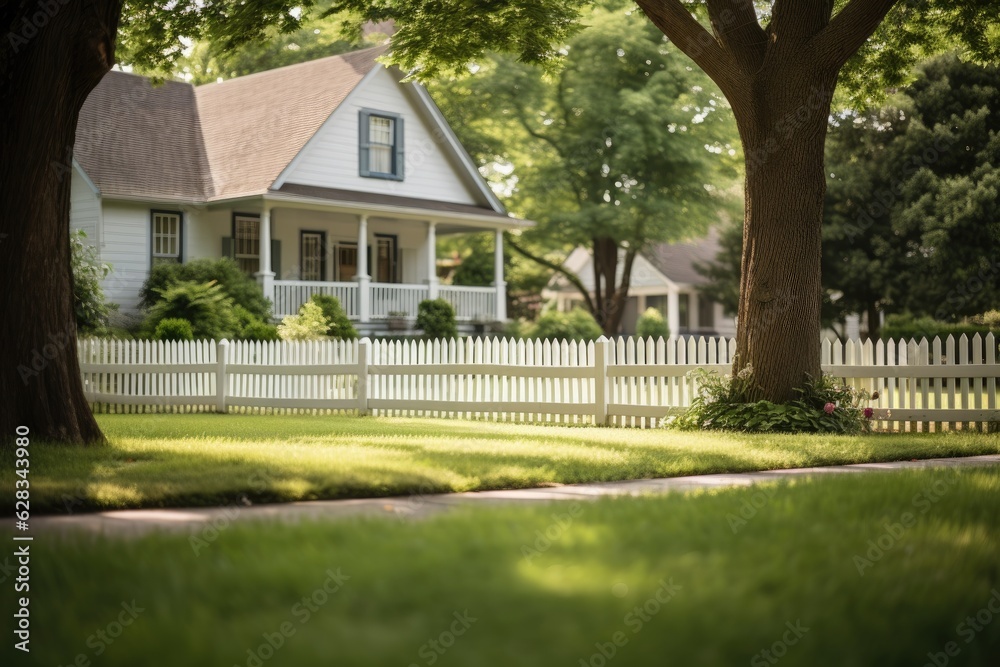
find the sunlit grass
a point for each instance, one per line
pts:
(794, 561)
(189, 460)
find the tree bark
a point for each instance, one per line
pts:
(54, 54)
(778, 325)
(874, 322)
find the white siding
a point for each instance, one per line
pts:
(126, 248)
(204, 233)
(84, 209)
(331, 158)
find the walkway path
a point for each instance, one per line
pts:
(138, 522)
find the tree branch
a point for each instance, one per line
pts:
(569, 275)
(687, 34)
(848, 30)
(736, 28)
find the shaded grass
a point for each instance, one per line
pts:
(793, 561)
(189, 460)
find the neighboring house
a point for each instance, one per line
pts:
(329, 177)
(663, 277)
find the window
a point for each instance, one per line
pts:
(706, 313)
(347, 261)
(166, 237)
(246, 236)
(381, 145)
(313, 251)
(387, 262)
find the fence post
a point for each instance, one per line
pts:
(601, 381)
(364, 359)
(221, 379)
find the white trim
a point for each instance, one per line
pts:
(290, 167)
(459, 150)
(86, 179)
(99, 241)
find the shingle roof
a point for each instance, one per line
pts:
(254, 125)
(354, 196)
(135, 139)
(677, 260)
(219, 140)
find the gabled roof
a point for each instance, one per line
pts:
(230, 139)
(254, 125)
(677, 261)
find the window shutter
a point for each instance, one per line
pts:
(276, 258)
(399, 149)
(228, 247)
(363, 143)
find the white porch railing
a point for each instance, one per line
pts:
(289, 295)
(472, 304)
(393, 298)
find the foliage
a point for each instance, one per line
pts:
(907, 326)
(234, 283)
(576, 325)
(339, 324)
(621, 148)
(309, 324)
(259, 331)
(822, 406)
(436, 318)
(205, 305)
(89, 304)
(652, 324)
(173, 329)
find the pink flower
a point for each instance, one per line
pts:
(829, 408)
(868, 413)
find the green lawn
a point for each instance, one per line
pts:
(188, 460)
(791, 563)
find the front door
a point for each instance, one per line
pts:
(347, 261)
(312, 256)
(387, 265)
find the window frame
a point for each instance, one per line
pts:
(322, 254)
(153, 256)
(237, 256)
(364, 145)
(395, 266)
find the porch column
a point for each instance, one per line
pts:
(266, 276)
(498, 280)
(364, 280)
(673, 313)
(432, 279)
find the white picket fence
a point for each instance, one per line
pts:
(923, 386)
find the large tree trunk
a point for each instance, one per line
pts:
(610, 298)
(778, 326)
(54, 54)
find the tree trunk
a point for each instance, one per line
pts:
(609, 297)
(53, 56)
(783, 133)
(874, 322)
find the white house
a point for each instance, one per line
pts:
(663, 277)
(330, 176)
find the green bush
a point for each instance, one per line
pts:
(89, 304)
(576, 325)
(436, 318)
(204, 305)
(907, 326)
(173, 328)
(338, 323)
(309, 324)
(234, 283)
(259, 331)
(652, 325)
(821, 407)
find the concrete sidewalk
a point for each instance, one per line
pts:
(131, 523)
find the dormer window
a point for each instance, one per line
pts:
(381, 145)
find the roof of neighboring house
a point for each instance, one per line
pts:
(223, 140)
(677, 261)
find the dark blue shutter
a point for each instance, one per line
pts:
(399, 162)
(276, 258)
(228, 247)
(363, 143)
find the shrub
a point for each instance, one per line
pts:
(261, 331)
(338, 324)
(309, 324)
(652, 325)
(234, 283)
(173, 328)
(436, 318)
(821, 407)
(576, 325)
(907, 326)
(204, 305)
(89, 304)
